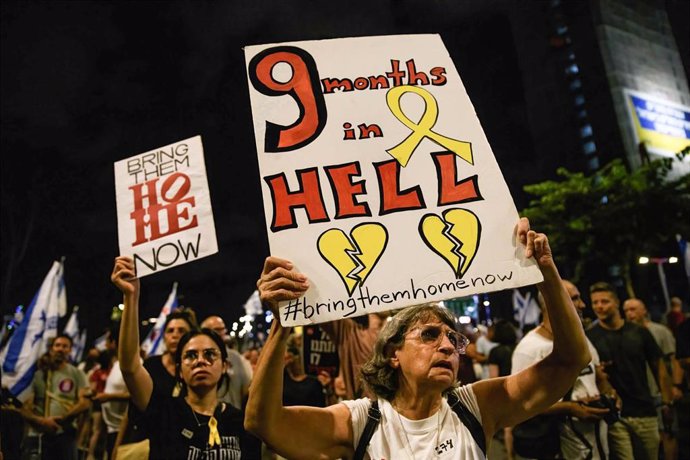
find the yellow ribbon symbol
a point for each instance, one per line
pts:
(213, 436)
(404, 150)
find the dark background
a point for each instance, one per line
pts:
(85, 84)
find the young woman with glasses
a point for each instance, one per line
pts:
(195, 424)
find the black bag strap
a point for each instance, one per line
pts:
(469, 420)
(373, 419)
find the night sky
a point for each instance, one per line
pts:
(85, 84)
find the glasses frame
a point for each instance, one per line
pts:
(201, 354)
(461, 340)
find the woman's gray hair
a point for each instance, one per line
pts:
(378, 376)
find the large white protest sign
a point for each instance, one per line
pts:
(164, 215)
(378, 181)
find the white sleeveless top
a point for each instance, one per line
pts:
(400, 438)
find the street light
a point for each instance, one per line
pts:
(660, 261)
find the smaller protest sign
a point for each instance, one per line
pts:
(164, 214)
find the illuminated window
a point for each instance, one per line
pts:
(586, 131)
(589, 148)
(572, 69)
(575, 84)
(579, 100)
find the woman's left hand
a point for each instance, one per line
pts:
(536, 244)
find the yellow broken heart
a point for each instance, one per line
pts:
(353, 257)
(455, 237)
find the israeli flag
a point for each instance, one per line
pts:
(153, 343)
(100, 342)
(525, 308)
(72, 330)
(79, 346)
(31, 339)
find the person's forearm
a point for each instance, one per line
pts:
(82, 405)
(266, 390)
(28, 415)
(561, 408)
(569, 343)
(123, 396)
(665, 383)
(128, 349)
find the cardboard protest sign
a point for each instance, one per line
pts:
(378, 181)
(164, 215)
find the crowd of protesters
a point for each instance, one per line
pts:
(614, 390)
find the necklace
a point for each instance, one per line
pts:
(440, 415)
(213, 435)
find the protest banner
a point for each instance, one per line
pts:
(164, 215)
(378, 182)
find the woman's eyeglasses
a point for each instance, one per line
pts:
(433, 335)
(210, 355)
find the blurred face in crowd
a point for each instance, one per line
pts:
(201, 362)
(60, 349)
(605, 306)
(575, 296)
(216, 324)
(635, 311)
(174, 331)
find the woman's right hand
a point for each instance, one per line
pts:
(124, 277)
(280, 282)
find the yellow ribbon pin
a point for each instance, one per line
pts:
(404, 150)
(213, 436)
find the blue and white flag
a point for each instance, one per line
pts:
(153, 343)
(30, 340)
(525, 308)
(78, 347)
(100, 342)
(72, 330)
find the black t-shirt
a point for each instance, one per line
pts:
(629, 349)
(165, 384)
(683, 340)
(501, 356)
(308, 392)
(159, 374)
(175, 432)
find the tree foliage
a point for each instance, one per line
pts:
(612, 216)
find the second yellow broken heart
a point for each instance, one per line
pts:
(353, 256)
(455, 237)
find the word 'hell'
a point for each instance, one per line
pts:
(167, 210)
(346, 191)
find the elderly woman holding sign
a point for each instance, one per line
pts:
(420, 411)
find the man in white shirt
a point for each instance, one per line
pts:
(115, 397)
(583, 431)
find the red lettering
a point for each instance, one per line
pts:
(396, 74)
(392, 198)
(450, 190)
(176, 210)
(414, 77)
(303, 87)
(345, 190)
(330, 84)
(307, 197)
(440, 74)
